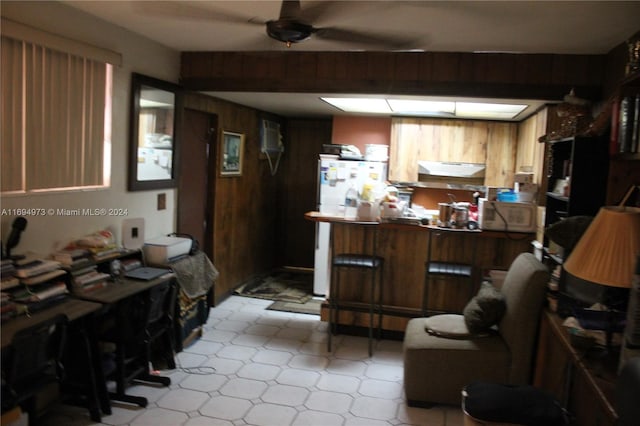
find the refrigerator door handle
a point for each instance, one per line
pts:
(317, 234)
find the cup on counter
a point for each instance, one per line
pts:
(460, 218)
(445, 210)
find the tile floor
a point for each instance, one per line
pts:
(258, 367)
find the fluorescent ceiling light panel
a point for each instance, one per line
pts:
(363, 105)
(487, 110)
(427, 108)
(412, 106)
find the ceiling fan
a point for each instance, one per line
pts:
(294, 24)
(288, 28)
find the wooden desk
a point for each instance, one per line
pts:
(121, 289)
(584, 383)
(80, 315)
(404, 248)
(107, 299)
(73, 309)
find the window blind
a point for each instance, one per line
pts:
(53, 118)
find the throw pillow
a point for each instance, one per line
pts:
(485, 309)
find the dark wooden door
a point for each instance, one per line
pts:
(196, 185)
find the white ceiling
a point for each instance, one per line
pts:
(563, 27)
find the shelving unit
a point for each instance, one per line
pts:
(624, 166)
(584, 161)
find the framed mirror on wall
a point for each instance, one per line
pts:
(154, 130)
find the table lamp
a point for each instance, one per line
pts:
(606, 253)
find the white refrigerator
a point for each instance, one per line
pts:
(335, 177)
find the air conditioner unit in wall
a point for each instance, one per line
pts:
(270, 137)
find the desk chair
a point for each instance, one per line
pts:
(140, 322)
(365, 263)
(33, 363)
(449, 258)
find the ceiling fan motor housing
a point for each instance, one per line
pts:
(288, 31)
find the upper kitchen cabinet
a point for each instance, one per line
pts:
(467, 141)
(532, 155)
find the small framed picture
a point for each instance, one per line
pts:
(232, 153)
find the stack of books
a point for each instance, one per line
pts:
(41, 284)
(101, 245)
(106, 252)
(73, 257)
(8, 281)
(626, 126)
(8, 308)
(88, 279)
(7, 275)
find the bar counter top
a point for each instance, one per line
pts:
(400, 224)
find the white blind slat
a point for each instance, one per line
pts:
(54, 120)
(11, 121)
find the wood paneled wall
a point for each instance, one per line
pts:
(298, 180)
(533, 76)
(246, 210)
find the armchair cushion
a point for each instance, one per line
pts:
(484, 310)
(451, 326)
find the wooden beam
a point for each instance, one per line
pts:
(520, 76)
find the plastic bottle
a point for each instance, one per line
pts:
(351, 203)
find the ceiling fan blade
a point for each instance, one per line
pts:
(318, 11)
(188, 10)
(370, 39)
(290, 9)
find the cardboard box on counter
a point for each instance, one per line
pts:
(527, 192)
(524, 177)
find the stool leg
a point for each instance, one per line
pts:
(380, 299)
(331, 302)
(372, 301)
(333, 305)
(425, 293)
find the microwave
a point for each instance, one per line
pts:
(506, 216)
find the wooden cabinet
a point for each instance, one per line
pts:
(469, 141)
(583, 161)
(583, 382)
(530, 152)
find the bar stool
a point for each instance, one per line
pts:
(366, 263)
(453, 260)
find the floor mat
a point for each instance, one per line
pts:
(291, 287)
(312, 307)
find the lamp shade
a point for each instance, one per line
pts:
(606, 253)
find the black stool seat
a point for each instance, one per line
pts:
(357, 261)
(452, 269)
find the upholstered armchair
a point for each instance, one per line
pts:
(441, 355)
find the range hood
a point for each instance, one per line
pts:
(452, 172)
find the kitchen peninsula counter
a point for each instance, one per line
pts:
(404, 248)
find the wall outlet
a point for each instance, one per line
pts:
(133, 233)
